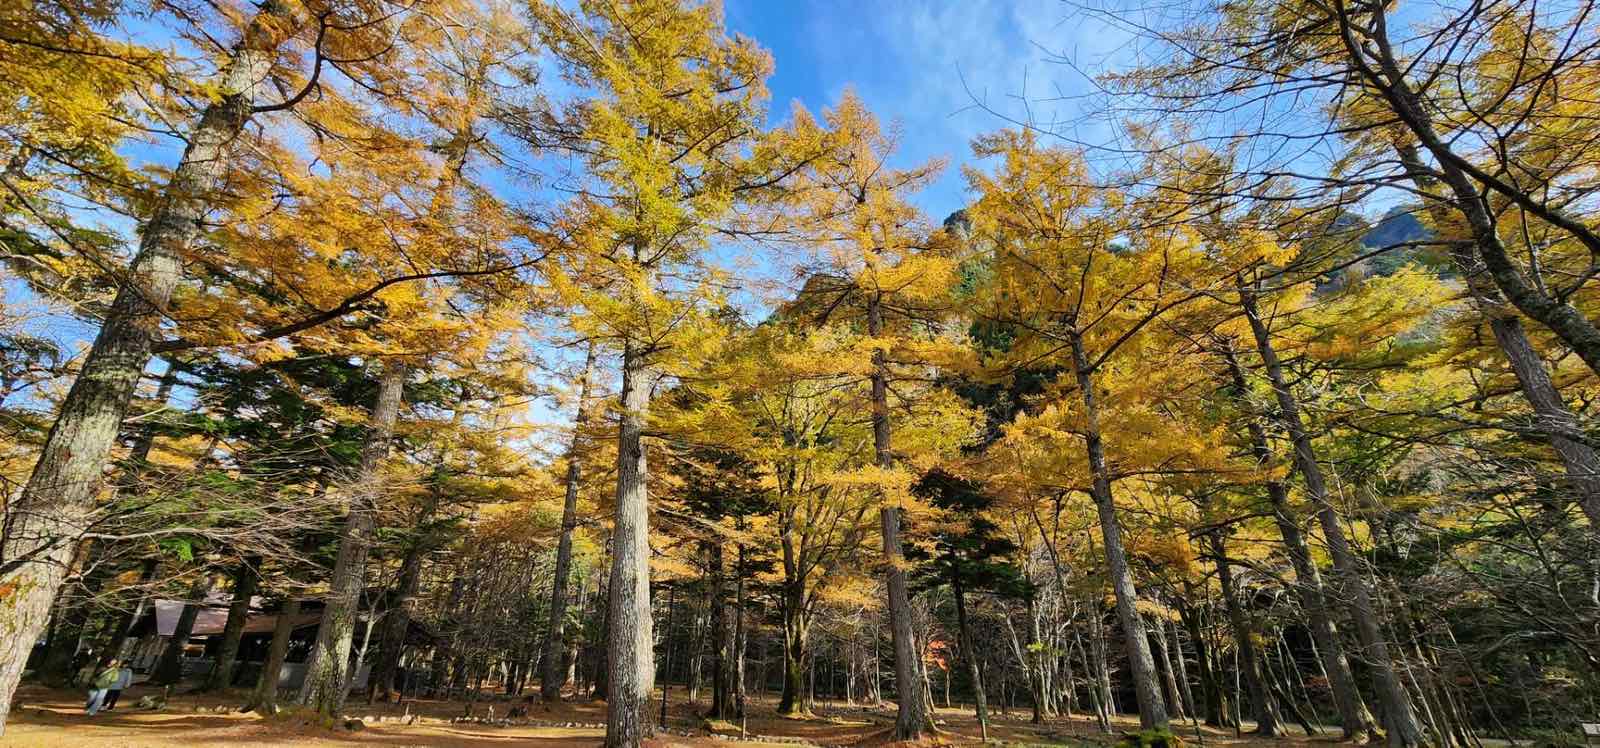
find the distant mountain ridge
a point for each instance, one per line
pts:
(1397, 226)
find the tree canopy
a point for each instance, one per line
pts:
(528, 342)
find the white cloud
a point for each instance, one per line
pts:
(928, 65)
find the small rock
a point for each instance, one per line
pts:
(354, 725)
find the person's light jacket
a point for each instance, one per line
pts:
(107, 678)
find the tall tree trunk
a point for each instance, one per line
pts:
(1141, 665)
(1031, 659)
(599, 671)
(1183, 669)
(1268, 721)
(1355, 719)
(169, 669)
(327, 668)
(722, 637)
(911, 720)
(265, 698)
(72, 617)
(796, 625)
(397, 623)
(969, 652)
(1211, 690)
(697, 644)
(668, 650)
(57, 501)
(1551, 414)
(631, 665)
(796, 619)
(74, 609)
(740, 634)
(1399, 720)
(1169, 671)
(1581, 462)
(244, 588)
(553, 677)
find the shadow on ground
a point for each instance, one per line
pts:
(49, 717)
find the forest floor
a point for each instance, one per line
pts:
(54, 717)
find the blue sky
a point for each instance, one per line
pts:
(908, 58)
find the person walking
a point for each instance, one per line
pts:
(85, 674)
(100, 685)
(124, 679)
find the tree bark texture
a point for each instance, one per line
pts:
(1551, 414)
(397, 623)
(244, 588)
(553, 677)
(265, 698)
(629, 640)
(1269, 722)
(911, 720)
(169, 669)
(969, 652)
(1141, 664)
(328, 667)
(1399, 721)
(1354, 717)
(56, 504)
